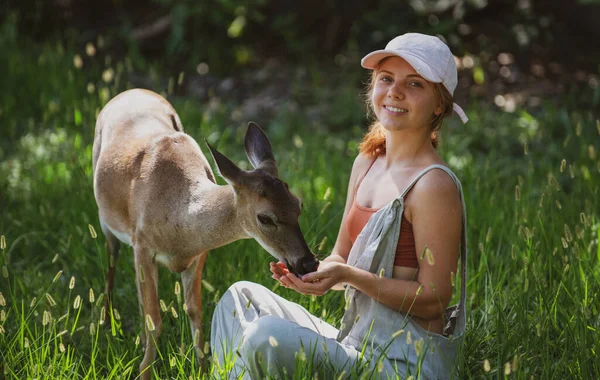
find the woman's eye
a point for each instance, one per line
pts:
(386, 79)
(265, 220)
(416, 84)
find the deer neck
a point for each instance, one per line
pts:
(214, 209)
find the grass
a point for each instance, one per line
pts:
(531, 182)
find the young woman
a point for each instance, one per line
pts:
(397, 251)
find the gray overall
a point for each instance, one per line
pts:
(387, 332)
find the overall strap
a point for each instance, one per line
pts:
(463, 239)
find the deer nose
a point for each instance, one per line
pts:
(311, 264)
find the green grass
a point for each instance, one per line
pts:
(531, 185)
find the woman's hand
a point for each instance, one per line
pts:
(279, 270)
(328, 275)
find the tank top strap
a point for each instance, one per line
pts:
(363, 177)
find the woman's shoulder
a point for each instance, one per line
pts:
(362, 162)
(437, 178)
(436, 184)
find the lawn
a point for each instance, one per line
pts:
(532, 186)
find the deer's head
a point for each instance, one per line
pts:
(265, 206)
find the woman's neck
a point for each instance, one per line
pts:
(408, 147)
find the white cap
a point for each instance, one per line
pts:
(428, 55)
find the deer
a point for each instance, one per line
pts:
(156, 192)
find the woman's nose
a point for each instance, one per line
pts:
(395, 92)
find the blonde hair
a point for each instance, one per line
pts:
(373, 143)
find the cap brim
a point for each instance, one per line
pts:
(371, 60)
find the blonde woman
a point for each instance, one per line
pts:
(398, 247)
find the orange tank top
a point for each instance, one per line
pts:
(357, 218)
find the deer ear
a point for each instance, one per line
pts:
(258, 149)
(226, 168)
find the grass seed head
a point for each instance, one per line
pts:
(2, 242)
(486, 365)
(55, 258)
(208, 286)
(57, 276)
(77, 302)
(92, 297)
(163, 306)
(90, 49)
(46, 317)
(72, 283)
(2, 300)
(273, 342)
(77, 61)
(321, 245)
(397, 333)
(150, 323)
(419, 346)
(506, 368)
(50, 300)
(92, 231)
(568, 235)
(408, 338)
(515, 363)
(108, 75)
(429, 255)
(174, 312)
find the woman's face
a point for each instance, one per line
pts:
(401, 98)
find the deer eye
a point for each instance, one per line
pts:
(265, 220)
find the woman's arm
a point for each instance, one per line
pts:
(437, 222)
(343, 244)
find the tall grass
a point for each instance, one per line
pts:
(531, 183)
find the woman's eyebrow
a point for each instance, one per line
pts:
(408, 76)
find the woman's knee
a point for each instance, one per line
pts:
(270, 336)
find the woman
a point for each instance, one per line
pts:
(397, 248)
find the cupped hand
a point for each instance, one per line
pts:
(279, 270)
(327, 276)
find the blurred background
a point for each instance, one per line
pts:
(529, 80)
(262, 53)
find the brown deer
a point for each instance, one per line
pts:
(155, 191)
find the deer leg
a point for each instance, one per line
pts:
(112, 248)
(146, 273)
(192, 288)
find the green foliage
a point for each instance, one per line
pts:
(531, 181)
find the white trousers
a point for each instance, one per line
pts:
(258, 334)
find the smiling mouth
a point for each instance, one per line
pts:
(396, 110)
